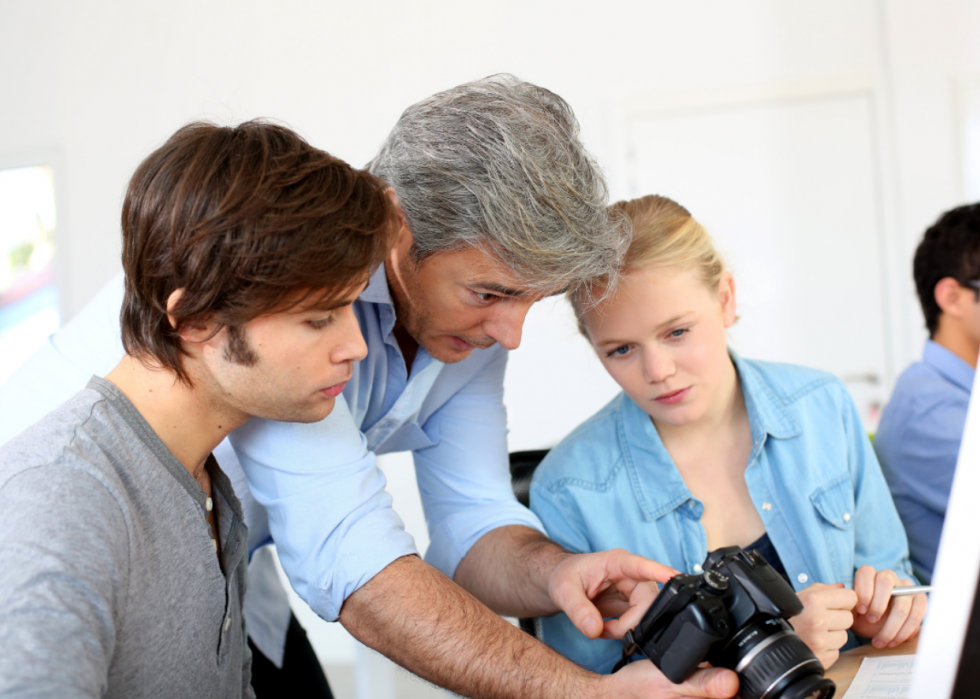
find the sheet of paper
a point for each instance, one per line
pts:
(885, 677)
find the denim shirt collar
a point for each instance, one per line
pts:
(949, 365)
(657, 483)
(767, 412)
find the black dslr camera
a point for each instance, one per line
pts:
(732, 615)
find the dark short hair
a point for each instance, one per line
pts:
(247, 220)
(950, 248)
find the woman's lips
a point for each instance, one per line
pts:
(673, 397)
(334, 390)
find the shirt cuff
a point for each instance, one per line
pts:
(379, 542)
(457, 533)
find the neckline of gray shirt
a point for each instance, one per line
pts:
(220, 483)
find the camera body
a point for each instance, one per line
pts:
(732, 615)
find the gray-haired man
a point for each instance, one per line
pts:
(501, 206)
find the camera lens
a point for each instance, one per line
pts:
(773, 663)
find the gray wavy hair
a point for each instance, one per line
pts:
(497, 164)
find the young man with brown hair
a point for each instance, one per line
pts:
(919, 436)
(123, 557)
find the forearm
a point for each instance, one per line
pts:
(423, 621)
(509, 570)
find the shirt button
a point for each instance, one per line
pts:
(227, 623)
(208, 505)
(697, 568)
(690, 503)
(802, 577)
(767, 506)
(847, 516)
(214, 544)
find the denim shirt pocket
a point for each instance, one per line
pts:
(834, 504)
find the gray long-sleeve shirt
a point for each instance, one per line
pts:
(109, 582)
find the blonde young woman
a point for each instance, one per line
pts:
(705, 449)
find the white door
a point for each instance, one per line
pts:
(788, 190)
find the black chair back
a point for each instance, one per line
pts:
(522, 465)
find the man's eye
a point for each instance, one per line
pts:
(678, 333)
(619, 351)
(485, 297)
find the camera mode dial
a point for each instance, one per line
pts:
(715, 580)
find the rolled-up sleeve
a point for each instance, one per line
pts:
(464, 478)
(329, 514)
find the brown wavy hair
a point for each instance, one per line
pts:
(247, 220)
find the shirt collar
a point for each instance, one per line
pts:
(645, 452)
(952, 367)
(657, 484)
(767, 412)
(378, 293)
(377, 290)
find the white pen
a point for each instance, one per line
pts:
(911, 590)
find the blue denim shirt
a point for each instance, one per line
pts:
(918, 442)
(812, 476)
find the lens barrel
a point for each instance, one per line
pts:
(772, 662)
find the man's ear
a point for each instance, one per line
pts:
(404, 238)
(952, 298)
(193, 331)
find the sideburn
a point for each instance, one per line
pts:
(237, 349)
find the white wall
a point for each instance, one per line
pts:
(93, 87)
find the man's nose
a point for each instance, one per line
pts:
(351, 346)
(507, 323)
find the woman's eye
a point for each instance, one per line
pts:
(678, 333)
(619, 351)
(320, 323)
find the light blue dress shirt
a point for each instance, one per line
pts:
(918, 441)
(329, 515)
(812, 477)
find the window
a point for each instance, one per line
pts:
(28, 290)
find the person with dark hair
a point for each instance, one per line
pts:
(499, 205)
(919, 435)
(123, 557)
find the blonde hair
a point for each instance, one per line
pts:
(664, 235)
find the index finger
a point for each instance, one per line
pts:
(833, 597)
(622, 564)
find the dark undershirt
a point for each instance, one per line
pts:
(764, 546)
